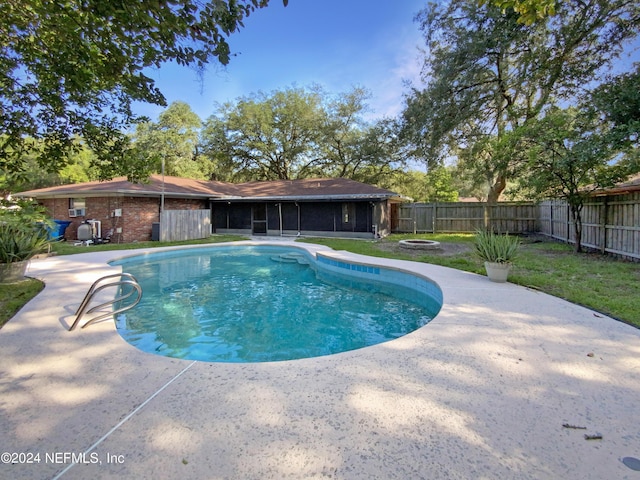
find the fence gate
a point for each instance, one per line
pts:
(179, 225)
(416, 218)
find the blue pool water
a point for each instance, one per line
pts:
(268, 303)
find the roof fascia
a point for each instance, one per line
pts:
(299, 198)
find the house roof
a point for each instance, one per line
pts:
(309, 189)
(173, 186)
(632, 184)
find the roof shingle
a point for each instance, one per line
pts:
(185, 187)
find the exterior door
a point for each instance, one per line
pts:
(259, 219)
(347, 217)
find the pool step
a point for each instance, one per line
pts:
(291, 258)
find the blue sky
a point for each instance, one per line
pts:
(338, 44)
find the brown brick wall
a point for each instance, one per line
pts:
(98, 208)
(138, 214)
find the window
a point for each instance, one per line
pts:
(345, 213)
(77, 203)
(345, 218)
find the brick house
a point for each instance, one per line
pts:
(329, 206)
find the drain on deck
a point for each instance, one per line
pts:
(632, 463)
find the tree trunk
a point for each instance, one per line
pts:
(576, 214)
(493, 196)
(496, 189)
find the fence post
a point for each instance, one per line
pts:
(414, 217)
(605, 208)
(433, 217)
(568, 222)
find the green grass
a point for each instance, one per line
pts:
(602, 283)
(68, 248)
(13, 296)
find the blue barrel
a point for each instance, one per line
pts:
(57, 232)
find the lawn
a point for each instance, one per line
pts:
(13, 296)
(602, 283)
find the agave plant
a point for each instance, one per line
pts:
(495, 248)
(18, 242)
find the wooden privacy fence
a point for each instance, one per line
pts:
(177, 225)
(466, 217)
(610, 224)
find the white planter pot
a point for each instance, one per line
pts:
(497, 272)
(13, 272)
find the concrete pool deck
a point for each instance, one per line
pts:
(481, 392)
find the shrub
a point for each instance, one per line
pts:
(23, 230)
(497, 248)
(21, 242)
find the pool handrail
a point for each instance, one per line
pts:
(82, 309)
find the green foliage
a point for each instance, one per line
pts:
(23, 230)
(496, 248)
(268, 136)
(570, 157)
(19, 243)
(529, 10)
(32, 176)
(487, 75)
(436, 185)
(353, 148)
(75, 68)
(174, 139)
(22, 212)
(299, 133)
(617, 104)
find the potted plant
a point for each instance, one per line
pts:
(497, 251)
(23, 234)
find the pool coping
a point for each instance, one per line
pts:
(482, 391)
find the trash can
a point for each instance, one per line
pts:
(59, 227)
(155, 232)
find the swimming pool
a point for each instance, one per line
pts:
(268, 303)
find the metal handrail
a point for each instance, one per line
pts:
(89, 294)
(82, 309)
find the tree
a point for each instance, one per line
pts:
(174, 140)
(355, 149)
(488, 75)
(73, 68)
(299, 133)
(343, 133)
(617, 104)
(378, 154)
(433, 186)
(570, 157)
(77, 169)
(528, 10)
(269, 136)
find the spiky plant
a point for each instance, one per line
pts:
(19, 243)
(496, 248)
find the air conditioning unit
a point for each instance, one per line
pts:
(76, 212)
